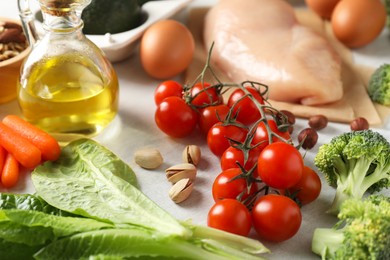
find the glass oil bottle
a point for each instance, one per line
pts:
(67, 86)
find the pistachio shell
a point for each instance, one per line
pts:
(181, 190)
(148, 158)
(191, 154)
(181, 171)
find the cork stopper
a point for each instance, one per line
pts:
(62, 7)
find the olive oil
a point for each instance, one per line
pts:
(67, 96)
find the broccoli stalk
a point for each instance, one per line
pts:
(355, 163)
(326, 241)
(363, 231)
(356, 179)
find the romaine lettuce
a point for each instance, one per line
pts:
(108, 216)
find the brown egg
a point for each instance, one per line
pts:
(358, 22)
(166, 49)
(323, 8)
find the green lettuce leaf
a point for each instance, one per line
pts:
(16, 251)
(59, 226)
(125, 243)
(88, 180)
(30, 236)
(28, 202)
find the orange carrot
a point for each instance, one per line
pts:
(2, 157)
(27, 154)
(47, 144)
(10, 172)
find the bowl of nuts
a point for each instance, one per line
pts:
(13, 49)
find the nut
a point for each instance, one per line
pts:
(9, 25)
(318, 122)
(359, 123)
(148, 158)
(308, 138)
(181, 190)
(181, 171)
(12, 35)
(12, 40)
(191, 154)
(290, 119)
(290, 116)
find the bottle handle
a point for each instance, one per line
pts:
(27, 18)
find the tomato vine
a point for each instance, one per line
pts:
(254, 132)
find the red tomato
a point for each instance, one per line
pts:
(233, 155)
(276, 218)
(280, 165)
(248, 111)
(261, 134)
(217, 137)
(204, 95)
(224, 187)
(308, 187)
(167, 88)
(175, 118)
(208, 116)
(230, 215)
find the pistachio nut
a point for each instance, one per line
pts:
(148, 158)
(181, 190)
(181, 171)
(192, 154)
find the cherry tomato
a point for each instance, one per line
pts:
(204, 95)
(308, 187)
(233, 155)
(276, 218)
(248, 111)
(261, 134)
(175, 118)
(280, 165)
(230, 215)
(167, 88)
(208, 116)
(224, 187)
(219, 134)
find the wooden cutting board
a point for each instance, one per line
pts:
(355, 102)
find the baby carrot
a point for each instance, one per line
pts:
(27, 154)
(10, 172)
(2, 157)
(47, 144)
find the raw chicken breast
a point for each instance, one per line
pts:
(261, 40)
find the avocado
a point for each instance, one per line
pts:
(112, 16)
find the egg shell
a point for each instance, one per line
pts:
(166, 49)
(323, 8)
(356, 23)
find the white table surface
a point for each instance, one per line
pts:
(134, 128)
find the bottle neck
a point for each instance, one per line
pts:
(61, 21)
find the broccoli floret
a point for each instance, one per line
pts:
(379, 85)
(363, 231)
(355, 163)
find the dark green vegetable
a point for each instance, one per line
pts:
(379, 85)
(355, 163)
(29, 202)
(110, 218)
(363, 231)
(111, 16)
